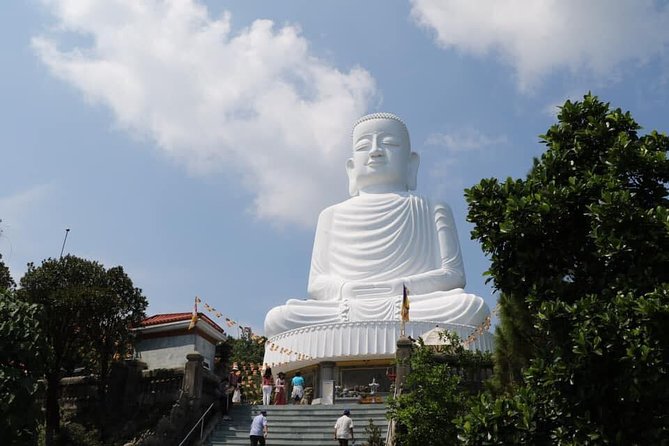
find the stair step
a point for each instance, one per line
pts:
(296, 425)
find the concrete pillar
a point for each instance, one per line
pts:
(327, 374)
(327, 370)
(133, 379)
(192, 384)
(403, 355)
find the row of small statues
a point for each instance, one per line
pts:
(357, 391)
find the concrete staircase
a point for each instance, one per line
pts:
(298, 425)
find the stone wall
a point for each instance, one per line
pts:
(174, 398)
(166, 352)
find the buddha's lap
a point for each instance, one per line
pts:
(454, 306)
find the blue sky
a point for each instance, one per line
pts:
(195, 142)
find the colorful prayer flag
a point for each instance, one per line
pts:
(405, 304)
(193, 319)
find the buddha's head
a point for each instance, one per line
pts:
(382, 158)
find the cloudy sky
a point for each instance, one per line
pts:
(195, 142)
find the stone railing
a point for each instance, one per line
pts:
(160, 385)
(78, 393)
(199, 388)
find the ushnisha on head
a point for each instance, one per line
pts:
(382, 158)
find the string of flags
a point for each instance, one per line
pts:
(286, 351)
(482, 328)
(247, 332)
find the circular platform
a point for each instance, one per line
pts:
(350, 341)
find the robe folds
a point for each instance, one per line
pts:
(370, 246)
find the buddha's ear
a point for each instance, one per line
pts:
(412, 171)
(352, 184)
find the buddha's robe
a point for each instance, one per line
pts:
(370, 246)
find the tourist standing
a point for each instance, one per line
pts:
(280, 389)
(298, 388)
(267, 382)
(343, 429)
(259, 429)
(234, 385)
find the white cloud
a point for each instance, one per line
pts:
(597, 37)
(13, 208)
(464, 140)
(256, 104)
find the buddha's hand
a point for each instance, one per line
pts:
(368, 290)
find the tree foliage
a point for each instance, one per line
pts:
(246, 349)
(6, 281)
(88, 311)
(434, 394)
(248, 353)
(20, 366)
(515, 340)
(580, 253)
(373, 435)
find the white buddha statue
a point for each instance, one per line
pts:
(383, 238)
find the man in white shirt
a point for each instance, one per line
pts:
(343, 429)
(259, 429)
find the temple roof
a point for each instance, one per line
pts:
(167, 318)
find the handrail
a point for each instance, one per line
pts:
(198, 422)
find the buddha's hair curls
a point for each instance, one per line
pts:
(380, 116)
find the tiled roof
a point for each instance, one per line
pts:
(177, 317)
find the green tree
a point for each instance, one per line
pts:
(515, 339)
(115, 307)
(88, 311)
(6, 281)
(20, 361)
(434, 394)
(580, 252)
(247, 350)
(373, 434)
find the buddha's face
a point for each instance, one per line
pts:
(382, 158)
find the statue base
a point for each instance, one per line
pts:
(353, 341)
